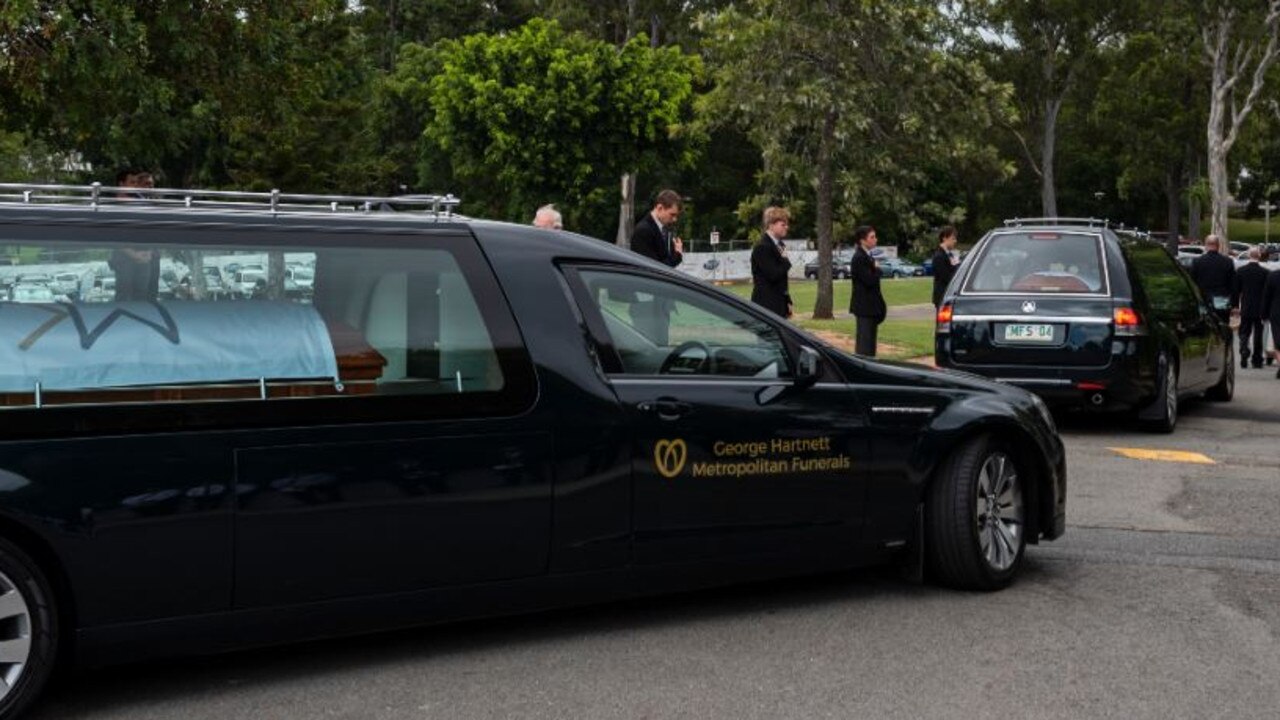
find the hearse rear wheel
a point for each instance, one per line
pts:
(28, 631)
(1226, 387)
(1167, 417)
(976, 517)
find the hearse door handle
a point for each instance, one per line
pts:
(666, 408)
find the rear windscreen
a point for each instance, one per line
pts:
(1039, 262)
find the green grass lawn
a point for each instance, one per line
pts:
(903, 291)
(1252, 231)
(910, 338)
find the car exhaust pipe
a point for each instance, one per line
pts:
(1097, 399)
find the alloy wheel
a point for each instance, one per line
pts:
(999, 512)
(15, 635)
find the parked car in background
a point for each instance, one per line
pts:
(840, 261)
(67, 283)
(1187, 254)
(25, 292)
(248, 281)
(1086, 316)
(899, 268)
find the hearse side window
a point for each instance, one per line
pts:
(110, 323)
(1039, 262)
(663, 328)
(1167, 291)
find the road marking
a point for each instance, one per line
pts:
(1164, 455)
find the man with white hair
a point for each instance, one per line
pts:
(1251, 280)
(548, 217)
(1215, 275)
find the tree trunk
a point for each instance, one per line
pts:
(1048, 146)
(275, 275)
(1215, 134)
(1219, 192)
(1233, 67)
(627, 212)
(822, 306)
(1173, 196)
(199, 283)
(1194, 211)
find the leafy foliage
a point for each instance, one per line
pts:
(541, 114)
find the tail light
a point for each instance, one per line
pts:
(944, 318)
(1127, 322)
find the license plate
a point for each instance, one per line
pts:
(1028, 333)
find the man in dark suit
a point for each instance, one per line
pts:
(867, 303)
(1251, 280)
(944, 263)
(1271, 311)
(769, 264)
(655, 238)
(137, 270)
(1215, 275)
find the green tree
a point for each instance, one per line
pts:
(1043, 47)
(1241, 41)
(267, 93)
(845, 97)
(539, 113)
(1150, 113)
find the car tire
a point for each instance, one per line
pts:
(976, 517)
(1166, 402)
(1226, 387)
(28, 630)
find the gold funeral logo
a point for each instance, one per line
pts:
(669, 457)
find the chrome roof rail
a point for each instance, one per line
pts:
(1089, 222)
(95, 196)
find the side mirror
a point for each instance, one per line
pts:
(809, 367)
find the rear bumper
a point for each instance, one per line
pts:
(1127, 382)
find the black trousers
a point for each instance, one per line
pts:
(1251, 327)
(652, 318)
(865, 336)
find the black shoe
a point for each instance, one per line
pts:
(1244, 364)
(1278, 374)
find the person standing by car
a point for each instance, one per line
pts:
(655, 238)
(1215, 275)
(655, 235)
(867, 303)
(548, 218)
(137, 270)
(1251, 280)
(769, 264)
(1271, 311)
(944, 263)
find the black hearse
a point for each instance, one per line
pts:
(460, 419)
(1085, 315)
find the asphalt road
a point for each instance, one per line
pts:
(1162, 601)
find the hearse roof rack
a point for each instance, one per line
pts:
(1088, 222)
(97, 195)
